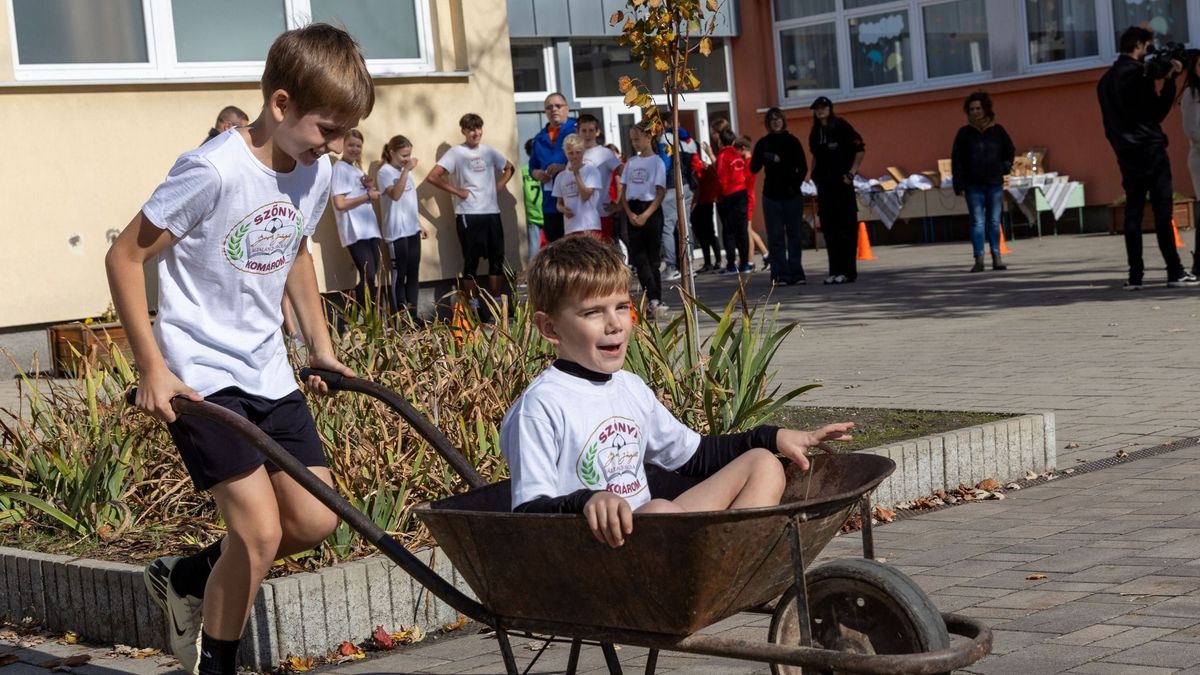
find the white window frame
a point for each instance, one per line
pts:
(548, 64)
(162, 66)
(841, 17)
(1105, 47)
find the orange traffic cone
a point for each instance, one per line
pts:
(864, 243)
(460, 322)
(1178, 240)
(1004, 249)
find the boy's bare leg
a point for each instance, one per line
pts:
(305, 521)
(753, 479)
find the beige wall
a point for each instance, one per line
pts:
(83, 159)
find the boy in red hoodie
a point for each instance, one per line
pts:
(733, 204)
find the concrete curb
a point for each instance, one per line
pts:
(1002, 450)
(310, 613)
(303, 614)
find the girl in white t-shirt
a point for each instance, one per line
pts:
(578, 190)
(358, 229)
(401, 226)
(643, 187)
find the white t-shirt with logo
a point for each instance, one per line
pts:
(399, 215)
(566, 433)
(586, 213)
(238, 226)
(641, 176)
(606, 163)
(474, 169)
(358, 222)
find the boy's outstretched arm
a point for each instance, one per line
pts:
(302, 290)
(141, 241)
(793, 443)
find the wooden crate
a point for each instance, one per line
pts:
(1181, 211)
(71, 342)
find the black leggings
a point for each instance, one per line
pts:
(406, 266)
(365, 253)
(705, 233)
(645, 249)
(735, 227)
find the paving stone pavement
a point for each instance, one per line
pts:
(1055, 332)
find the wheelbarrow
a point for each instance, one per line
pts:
(544, 574)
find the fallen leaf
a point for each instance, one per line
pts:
(1068, 471)
(409, 636)
(882, 514)
(988, 484)
(348, 648)
(1071, 446)
(382, 639)
(459, 623)
(70, 638)
(1122, 454)
(538, 646)
(300, 664)
(1030, 475)
(1012, 486)
(1036, 576)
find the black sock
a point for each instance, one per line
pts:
(217, 657)
(190, 575)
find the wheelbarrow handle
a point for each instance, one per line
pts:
(328, 496)
(418, 421)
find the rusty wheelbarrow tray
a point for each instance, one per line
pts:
(679, 573)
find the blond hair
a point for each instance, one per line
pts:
(355, 133)
(574, 268)
(321, 68)
(572, 142)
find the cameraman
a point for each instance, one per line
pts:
(1133, 110)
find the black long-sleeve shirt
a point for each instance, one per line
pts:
(980, 157)
(781, 156)
(833, 149)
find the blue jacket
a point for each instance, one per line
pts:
(546, 153)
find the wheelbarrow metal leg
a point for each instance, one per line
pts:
(800, 586)
(652, 662)
(506, 652)
(868, 534)
(610, 658)
(573, 658)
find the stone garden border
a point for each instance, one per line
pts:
(312, 612)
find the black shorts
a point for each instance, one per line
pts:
(213, 453)
(481, 236)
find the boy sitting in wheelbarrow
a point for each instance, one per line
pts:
(577, 439)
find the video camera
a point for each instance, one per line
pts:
(1158, 59)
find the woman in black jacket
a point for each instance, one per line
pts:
(781, 156)
(837, 151)
(982, 155)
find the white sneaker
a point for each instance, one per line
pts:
(1186, 279)
(658, 310)
(183, 612)
(672, 274)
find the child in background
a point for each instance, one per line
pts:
(474, 166)
(531, 190)
(401, 225)
(643, 187)
(578, 190)
(703, 217)
(744, 146)
(606, 162)
(733, 203)
(358, 229)
(578, 438)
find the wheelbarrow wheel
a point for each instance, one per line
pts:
(860, 606)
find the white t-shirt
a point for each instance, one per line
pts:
(238, 226)
(641, 176)
(587, 213)
(358, 222)
(606, 163)
(399, 215)
(566, 433)
(474, 169)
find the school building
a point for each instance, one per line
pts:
(900, 70)
(101, 96)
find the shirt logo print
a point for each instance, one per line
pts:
(265, 241)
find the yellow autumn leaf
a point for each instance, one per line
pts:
(631, 96)
(616, 18)
(654, 4)
(705, 46)
(713, 5)
(693, 82)
(660, 64)
(71, 638)
(624, 84)
(300, 664)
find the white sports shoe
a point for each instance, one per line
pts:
(183, 612)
